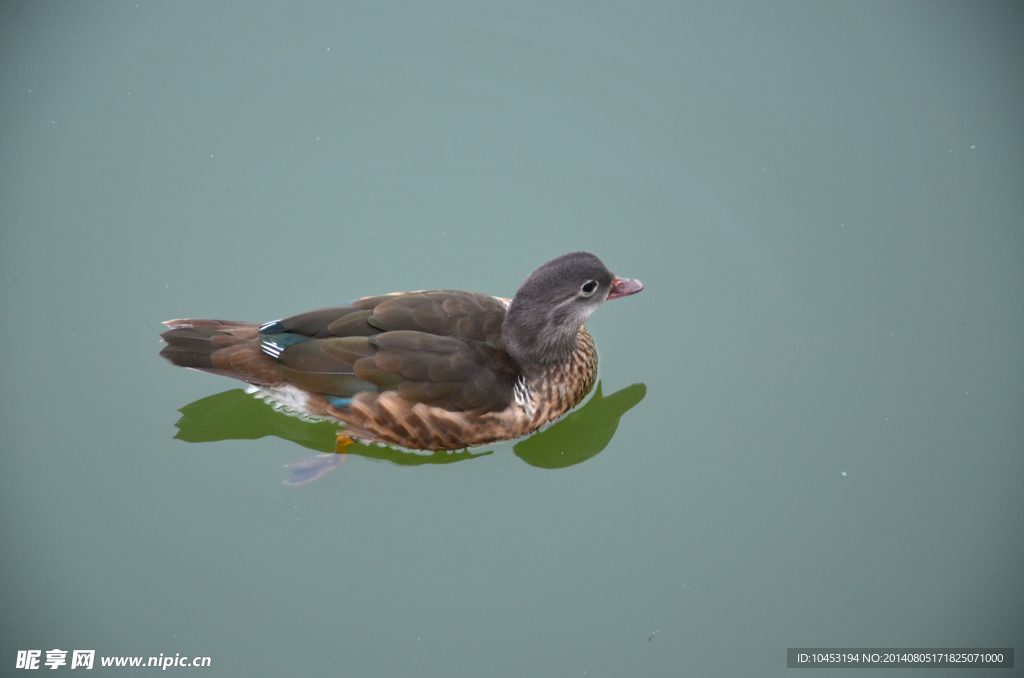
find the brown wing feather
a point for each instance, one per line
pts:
(452, 313)
(439, 348)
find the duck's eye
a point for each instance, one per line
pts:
(588, 288)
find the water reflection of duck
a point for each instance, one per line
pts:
(235, 415)
(431, 370)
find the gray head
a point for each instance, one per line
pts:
(553, 303)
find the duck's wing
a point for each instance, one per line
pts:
(446, 313)
(441, 348)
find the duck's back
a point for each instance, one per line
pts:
(441, 348)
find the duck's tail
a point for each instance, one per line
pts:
(226, 347)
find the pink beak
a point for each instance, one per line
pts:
(623, 287)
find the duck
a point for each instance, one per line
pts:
(427, 370)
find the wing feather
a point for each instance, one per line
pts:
(440, 348)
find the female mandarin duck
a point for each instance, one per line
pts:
(432, 370)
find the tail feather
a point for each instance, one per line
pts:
(223, 325)
(224, 347)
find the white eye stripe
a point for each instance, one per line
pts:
(589, 288)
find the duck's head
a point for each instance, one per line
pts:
(552, 304)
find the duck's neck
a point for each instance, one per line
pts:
(535, 340)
